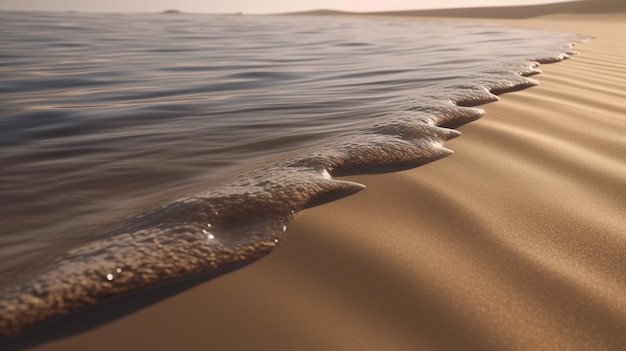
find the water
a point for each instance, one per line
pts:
(136, 150)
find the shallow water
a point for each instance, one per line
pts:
(140, 149)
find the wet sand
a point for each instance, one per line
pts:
(515, 242)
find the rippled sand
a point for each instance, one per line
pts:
(515, 242)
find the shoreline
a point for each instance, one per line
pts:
(512, 241)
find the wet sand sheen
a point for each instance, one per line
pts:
(514, 242)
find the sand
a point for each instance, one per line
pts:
(515, 242)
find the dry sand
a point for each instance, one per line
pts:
(515, 242)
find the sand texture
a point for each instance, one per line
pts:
(515, 242)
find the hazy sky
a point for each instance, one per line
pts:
(246, 6)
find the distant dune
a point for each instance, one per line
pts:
(529, 11)
(171, 12)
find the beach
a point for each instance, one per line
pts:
(514, 242)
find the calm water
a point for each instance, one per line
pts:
(139, 149)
